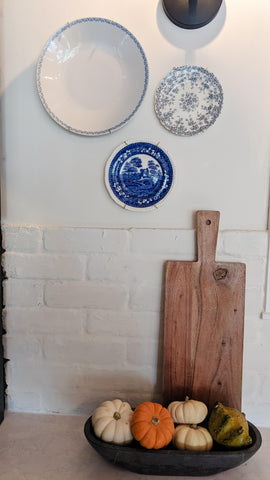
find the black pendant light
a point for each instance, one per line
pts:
(191, 13)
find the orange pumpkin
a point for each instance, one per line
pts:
(152, 425)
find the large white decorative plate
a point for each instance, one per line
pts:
(92, 76)
(188, 100)
(139, 175)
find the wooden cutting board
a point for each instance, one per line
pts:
(204, 323)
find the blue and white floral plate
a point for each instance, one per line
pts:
(92, 76)
(188, 100)
(139, 175)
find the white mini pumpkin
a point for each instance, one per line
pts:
(188, 411)
(111, 422)
(192, 437)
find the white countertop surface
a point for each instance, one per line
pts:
(53, 447)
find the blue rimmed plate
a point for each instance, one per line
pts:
(188, 100)
(92, 76)
(139, 175)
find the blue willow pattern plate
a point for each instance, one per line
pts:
(188, 100)
(139, 175)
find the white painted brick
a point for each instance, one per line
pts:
(23, 292)
(255, 356)
(245, 243)
(257, 331)
(257, 413)
(84, 402)
(114, 240)
(168, 244)
(44, 266)
(254, 301)
(21, 347)
(145, 297)
(102, 337)
(85, 240)
(79, 402)
(22, 239)
(85, 350)
(126, 324)
(125, 268)
(256, 385)
(121, 380)
(44, 320)
(255, 272)
(252, 384)
(265, 388)
(151, 396)
(85, 294)
(143, 353)
(109, 267)
(178, 242)
(29, 375)
(38, 374)
(21, 401)
(72, 240)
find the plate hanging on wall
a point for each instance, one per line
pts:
(191, 14)
(188, 100)
(139, 175)
(92, 76)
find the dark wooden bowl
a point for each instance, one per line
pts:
(170, 461)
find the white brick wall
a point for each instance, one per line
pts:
(84, 322)
(84, 294)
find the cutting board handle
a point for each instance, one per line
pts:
(207, 233)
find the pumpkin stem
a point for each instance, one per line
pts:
(116, 416)
(186, 399)
(193, 425)
(155, 421)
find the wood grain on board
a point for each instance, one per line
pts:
(204, 323)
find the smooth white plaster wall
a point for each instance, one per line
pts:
(53, 177)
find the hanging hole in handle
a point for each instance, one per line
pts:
(208, 222)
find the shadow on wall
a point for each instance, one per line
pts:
(33, 144)
(3, 384)
(160, 372)
(23, 118)
(190, 40)
(96, 387)
(19, 128)
(101, 386)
